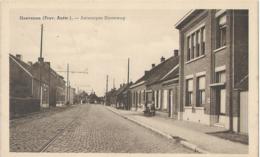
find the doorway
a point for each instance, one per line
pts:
(221, 104)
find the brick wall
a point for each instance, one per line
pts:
(20, 81)
(20, 106)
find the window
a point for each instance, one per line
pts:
(140, 96)
(221, 31)
(201, 91)
(196, 44)
(203, 37)
(221, 77)
(157, 97)
(193, 45)
(143, 96)
(189, 89)
(189, 48)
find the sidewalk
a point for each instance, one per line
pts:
(192, 135)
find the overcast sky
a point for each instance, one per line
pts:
(101, 46)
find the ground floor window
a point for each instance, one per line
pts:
(201, 91)
(189, 92)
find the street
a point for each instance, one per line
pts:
(86, 128)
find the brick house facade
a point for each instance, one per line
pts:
(157, 86)
(213, 62)
(25, 80)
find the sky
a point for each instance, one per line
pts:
(101, 47)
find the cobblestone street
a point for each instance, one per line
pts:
(86, 128)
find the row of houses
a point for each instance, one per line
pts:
(36, 85)
(206, 81)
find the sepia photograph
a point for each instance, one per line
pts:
(128, 80)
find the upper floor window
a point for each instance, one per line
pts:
(198, 38)
(193, 45)
(221, 30)
(189, 48)
(196, 44)
(203, 37)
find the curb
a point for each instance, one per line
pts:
(183, 142)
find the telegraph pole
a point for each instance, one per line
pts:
(67, 82)
(128, 68)
(106, 91)
(40, 59)
(68, 71)
(114, 83)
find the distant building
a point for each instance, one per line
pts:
(214, 68)
(138, 92)
(93, 98)
(72, 94)
(123, 96)
(110, 97)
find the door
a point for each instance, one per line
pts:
(165, 99)
(169, 103)
(221, 104)
(244, 112)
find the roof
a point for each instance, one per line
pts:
(123, 88)
(29, 69)
(163, 69)
(174, 74)
(26, 67)
(187, 17)
(168, 69)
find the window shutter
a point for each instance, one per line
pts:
(202, 83)
(222, 20)
(190, 85)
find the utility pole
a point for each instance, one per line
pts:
(128, 68)
(106, 91)
(40, 59)
(114, 83)
(68, 71)
(68, 92)
(128, 71)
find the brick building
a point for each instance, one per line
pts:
(52, 83)
(25, 80)
(24, 87)
(123, 96)
(138, 90)
(159, 85)
(214, 68)
(162, 85)
(110, 97)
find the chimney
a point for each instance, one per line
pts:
(30, 63)
(153, 65)
(48, 63)
(40, 59)
(176, 52)
(18, 56)
(162, 59)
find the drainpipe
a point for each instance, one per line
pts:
(231, 96)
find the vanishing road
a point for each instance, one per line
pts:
(87, 129)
